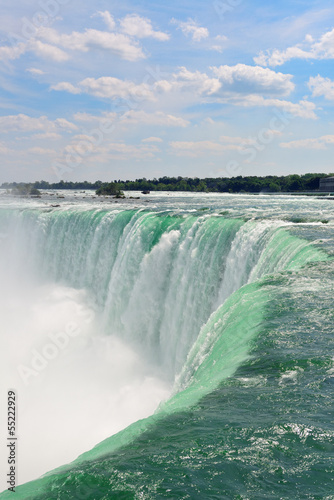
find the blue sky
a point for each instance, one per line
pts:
(121, 90)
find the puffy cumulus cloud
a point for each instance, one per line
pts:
(81, 144)
(107, 18)
(116, 43)
(253, 80)
(195, 148)
(302, 109)
(318, 143)
(321, 87)
(108, 87)
(196, 81)
(25, 123)
(190, 27)
(239, 85)
(158, 118)
(12, 52)
(66, 87)
(47, 51)
(141, 27)
(40, 48)
(278, 57)
(323, 48)
(49, 43)
(227, 81)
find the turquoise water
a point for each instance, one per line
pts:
(228, 303)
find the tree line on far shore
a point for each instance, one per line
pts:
(239, 184)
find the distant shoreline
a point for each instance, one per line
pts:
(305, 184)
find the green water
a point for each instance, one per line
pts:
(239, 315)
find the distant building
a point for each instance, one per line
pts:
(327, 184)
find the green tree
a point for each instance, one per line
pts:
(111, 189)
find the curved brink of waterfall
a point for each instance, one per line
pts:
(186, 291)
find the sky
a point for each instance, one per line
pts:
(110, 90)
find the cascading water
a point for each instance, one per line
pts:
(146, 307)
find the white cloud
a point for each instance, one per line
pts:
(86, 117)
(196, 81)
(318, 143)
(47, 51)
(235, 140)
(239, 85)
(209, 121)
(107, 18)
(66, 87)
(46, 135)
(133, 117)
(229, 81)
(48, 43)
(217, 48)
(190, 27)
(116, 43)
(41, 151)
(118, 151)
(141, 27)
(152, 139)
(158, 118)
(133, 150)
(65, 124)
(253, 79)
(324, 48)
(302, 109)
(277, 57)
(322, 87)
(24, 123)
(41, 49)
(84, 144)
(193, 149)
(12, 52)
(309, 49)
(81, 144)
(110, 87)
(309, 39)
(35, 71)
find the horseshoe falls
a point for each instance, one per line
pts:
(178, 346)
